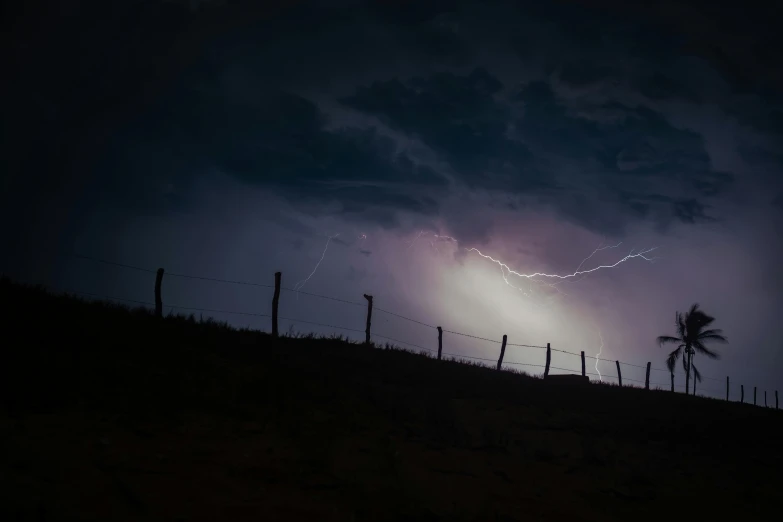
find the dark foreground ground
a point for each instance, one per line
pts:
(113, 415)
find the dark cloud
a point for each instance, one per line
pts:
(690, 211)
(231, 111)
(278, 142)
(542, 124)
(457, 116)
(547, 149)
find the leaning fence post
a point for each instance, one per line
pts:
(619, 374)
(647, 378)
(727, 387)
(754, 396)
(742, 394)
(583, 363)
(369, 318)
(275, 301)
(158, 300)
(502, 351)
(440, 341)
(548, 359)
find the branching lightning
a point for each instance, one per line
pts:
(438, 238)
(298, 286)
(540, 278)
(578, 272)
(415, 239)
(600, 247)
(553, 280)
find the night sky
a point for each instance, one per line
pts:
(232, 140)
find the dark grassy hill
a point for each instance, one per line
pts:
(110, 414)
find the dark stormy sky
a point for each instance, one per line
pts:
(232, 139)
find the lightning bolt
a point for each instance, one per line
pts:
(298, 286)
(438, 238)
(576, 273)
(415, 239)
(600, 349)
(600, 247)
(540, 278)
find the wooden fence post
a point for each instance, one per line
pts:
(754, 396)
(275, 301)
(502, 351)
(776, 399)
(647, 378)
(727, 387)
(672, 381)
(742, 394)
(583, 363)
(440, 341)
(369, 319)
(619, 373)
(765, 398)
(158, 300)
(548, 359)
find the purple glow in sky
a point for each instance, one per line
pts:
(557, 174)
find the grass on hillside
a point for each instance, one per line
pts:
(113, 414)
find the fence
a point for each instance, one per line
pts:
(368, 305)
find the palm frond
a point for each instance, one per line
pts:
(699, 346)
(680, 323)
(671, 360)
(718, 338)
(666, 339)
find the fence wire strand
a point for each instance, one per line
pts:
(472, 336)
(355, 303)
(403, 317)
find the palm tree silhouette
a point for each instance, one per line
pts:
(691, 338)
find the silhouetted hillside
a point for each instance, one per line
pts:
(112, 414)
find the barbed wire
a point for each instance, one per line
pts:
(123, 265)
(470, 357)
(526, 345)
(565, 351)
(172, 274)
(173, 307)
(380, 336)
(524, 364)
(634, 365)
(355, 303)
(346, 301)
(705, 391)
(215, 310)
(472, 336)
(403, 317)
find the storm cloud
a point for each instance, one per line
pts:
(232, 139)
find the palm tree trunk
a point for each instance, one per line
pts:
(672, 381)
(688, 370)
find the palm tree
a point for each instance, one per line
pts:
(691, 336)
